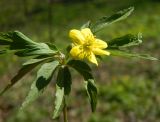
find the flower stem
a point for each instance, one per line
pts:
(65, 112)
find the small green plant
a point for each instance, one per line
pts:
(85, 45)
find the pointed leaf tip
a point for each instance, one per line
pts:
(122, 53)
(92, 93)
(107, 20)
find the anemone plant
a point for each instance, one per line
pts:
(85, 48)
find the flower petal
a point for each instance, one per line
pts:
(92, 58)
(75, 51)
(76, 36)
(98, 51)
(100, 44)
(81, 55)
(86, 32)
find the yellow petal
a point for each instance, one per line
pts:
(100, 44)
(81, 55)
(76, 36)
(98, 51)
(86, 32)
(75, 51)
(92, 58)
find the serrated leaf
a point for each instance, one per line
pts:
(86, 25)
(44, 76)
(105, 21)
(92, 93)
(81, 67)
(26, 68)
(63, 88)
(128, 40)
(130, 54)
(23, 46)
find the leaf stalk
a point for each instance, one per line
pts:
(65, 119)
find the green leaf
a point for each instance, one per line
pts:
(23, 46)
(68, 48)
(27, 67)
(130, 54)
(85, 71)
(125, 41)
(64, 79)
(80, 65)
(44, 76)
(105, 21)
(82, 68)
(67, 80)
(92, 93)
(86, 25)
(36, 60)
(63, 88)
(52, 46)
(4, 39)
(59, 97)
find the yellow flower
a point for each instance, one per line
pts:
(86, 46)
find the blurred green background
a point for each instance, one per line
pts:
(128, 88)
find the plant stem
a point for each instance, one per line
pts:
(65, 112)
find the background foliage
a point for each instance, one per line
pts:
(128, 88)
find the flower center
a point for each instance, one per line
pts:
(87, 47)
